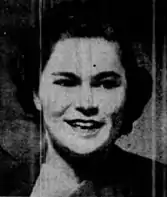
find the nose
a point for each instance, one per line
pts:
(90, 111)
(86, 104)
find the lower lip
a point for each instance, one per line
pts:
(87, 133)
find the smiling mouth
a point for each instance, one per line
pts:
(85, 126)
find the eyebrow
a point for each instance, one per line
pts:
(99, 76)
(106, 74)
(67, 74)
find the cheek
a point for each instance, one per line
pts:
(54, 101)
(112, 101)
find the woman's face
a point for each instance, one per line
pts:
(82, 89)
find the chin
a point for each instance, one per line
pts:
(82, 142)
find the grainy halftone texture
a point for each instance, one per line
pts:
(19, 137)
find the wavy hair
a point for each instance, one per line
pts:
(65, 21)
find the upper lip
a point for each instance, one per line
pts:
(92, 122)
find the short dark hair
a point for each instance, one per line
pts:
(35, 45)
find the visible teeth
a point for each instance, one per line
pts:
(83, 124)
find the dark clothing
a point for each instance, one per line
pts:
(112, 173)
(117, 171)
(16, 178)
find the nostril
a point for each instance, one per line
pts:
(91, 111)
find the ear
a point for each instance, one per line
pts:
(37, 102)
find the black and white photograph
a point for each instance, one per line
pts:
(83, 98)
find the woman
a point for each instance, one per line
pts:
(89, 92)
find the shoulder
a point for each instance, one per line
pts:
(141, 174)
(16, 178)
(19, 157)
(144, 167)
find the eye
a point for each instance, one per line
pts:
(65, 82)
(107, 84)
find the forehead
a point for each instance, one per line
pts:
(79, 55)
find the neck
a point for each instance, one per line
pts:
(54, 160)
(84, 167)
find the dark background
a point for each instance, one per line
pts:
(22, 13)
